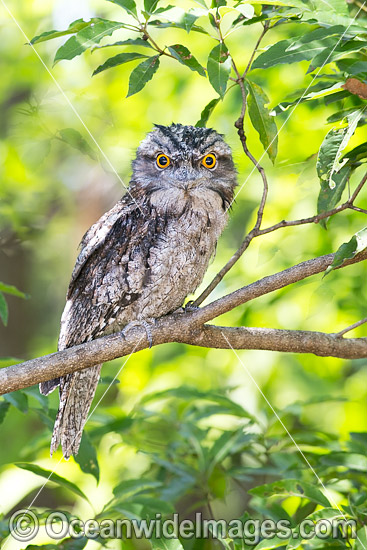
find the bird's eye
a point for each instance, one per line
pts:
(163, 161)
(209, 161)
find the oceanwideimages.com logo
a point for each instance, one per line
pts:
(24, 525)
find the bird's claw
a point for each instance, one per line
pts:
(146, 324)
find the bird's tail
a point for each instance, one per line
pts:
(76, 394)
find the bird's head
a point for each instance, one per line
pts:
(177, 162)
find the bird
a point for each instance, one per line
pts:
(144, 256)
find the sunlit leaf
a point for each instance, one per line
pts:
(291, 487)
(328, 198)
(298, 533)
(206, 112)
(219, 68)
(73, 28)
(10, 289)
(118, 59)
(184, 56)
(307, 95)
(18, 399)
(348, 250)
(162, 543)
(4, 407)
(150, 5)
(87, 457)
(128, 5)
(130, 487)
(4, 312)
(261, 120)
(329, 161)
(76, 140)
(86, 38)
(305, 48)
(142, 74)
(128, 42)
(51, 476)
(361, 539)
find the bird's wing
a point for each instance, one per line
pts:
(109, 272)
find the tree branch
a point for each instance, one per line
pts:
(188, 328)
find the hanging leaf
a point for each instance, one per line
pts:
(219, 68)
(130, 487)
(87, 457)
(305, 48)
(328, 198)
(206, 112)
(54, 478)
(74, 27)
(142, 74)
(10, 289)
(261, 119)
(291, 488)
(4, 312)
(150, 5)
(162, 543)
(118, 59)
(4, 407)
(184, 56)
(18, 399)
(86, 38)
(128, 5)
(76, 140)
(348, 250)
(128, 42)
(323, 89)
(329, 161)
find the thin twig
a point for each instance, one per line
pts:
(351, 327)
(256, 232)
(239, 124)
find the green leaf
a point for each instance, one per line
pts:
(328, 161)
(150, 5)
(274, 542)
(128, 5)
(348, 250)
(219, 68)
(49, 475)
(4, 407)
(74, 27)
(329, 198)
(86, 38)
(18, 399)
(118, 59)
(261, 120)
(184, 56)
(128, 488)
(206, 112)
(165, 544)
(76, 140)
(297, 537)
(87, 457)
(357, 154)
(188, 20)
(4, 312)
(289, 488)
(326, 89)
(128, 42)
(142, 74)
(353, 461)
(10, 289)
(285, 3)
(361, 540)
(306, 48)
(328, 55)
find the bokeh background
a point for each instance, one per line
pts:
(51, 192)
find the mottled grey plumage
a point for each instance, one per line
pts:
(144, 256)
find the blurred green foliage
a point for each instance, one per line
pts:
(183, 429)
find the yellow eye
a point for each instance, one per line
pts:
(163, 161)
(209, 161)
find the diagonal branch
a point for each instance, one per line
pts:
(189, 328)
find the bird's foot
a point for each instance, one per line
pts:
(190, 308)
(147, 324)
